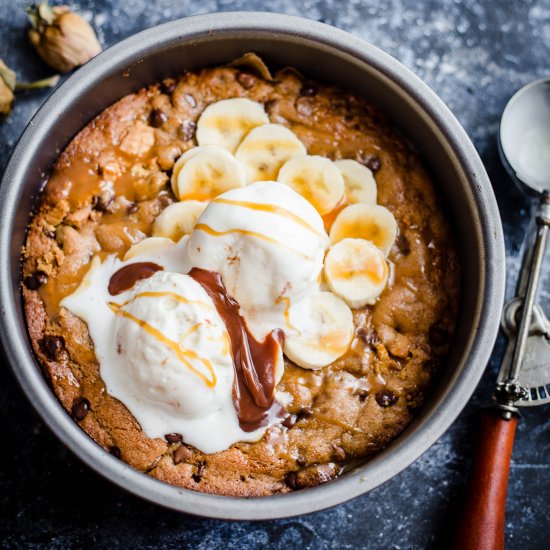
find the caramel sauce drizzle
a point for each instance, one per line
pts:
(182, 353)
(286, 301)
(59, 287)
(329, 217)
(273, 209)
(363, 229)
(167, 294)
(191, 330)
(374, 269)
(337, 341)
(207, 229)
(80, 179)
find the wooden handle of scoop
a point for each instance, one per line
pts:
(481, 520)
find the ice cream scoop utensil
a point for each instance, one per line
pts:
(524, 377)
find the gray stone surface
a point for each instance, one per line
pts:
(474, 54)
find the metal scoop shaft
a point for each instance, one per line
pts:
(508, 391)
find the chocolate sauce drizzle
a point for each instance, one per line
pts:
(254, 362)
(126, 277)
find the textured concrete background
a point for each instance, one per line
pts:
(474, 54)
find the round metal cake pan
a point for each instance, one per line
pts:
(323, 53)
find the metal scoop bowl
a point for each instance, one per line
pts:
(524, 137)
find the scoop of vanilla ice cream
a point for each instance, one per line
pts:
(160, 346)
(268, 243)
(174, 348)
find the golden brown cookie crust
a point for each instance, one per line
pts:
(111, 182)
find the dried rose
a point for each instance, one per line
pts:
(7, 88)
(61, 37)
(9, 85)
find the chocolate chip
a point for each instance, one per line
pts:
(439, 335)
(157, 118)
(246, 80)
(182, 454)
(174, 438)
(303, 106)
(432, 365)
(372, 162)
(104, 202)
(290, 420)
(50, 234)
(132, 208)
(191, 100)
(242, 478)
(415, 400)
(403, 245)
(188, 129)
(164, 201)
(270, 104)
(309, 89)
(301, 461)
(339, 105)
(52, 346)
(339, 453)
(200, 470)
(115, 451)
(291, 480)
(36, 280)
(386, 398)
(168, 86)
(304, 412)
(368, 335)
(362, 393)
(80, 408)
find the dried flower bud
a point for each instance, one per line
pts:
(9, 85)
(61, 37)
(7, 88)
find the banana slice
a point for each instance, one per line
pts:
(266, 148)
(317, 179)
(178, 219)
(359, 183)
(206, 173)
(365, 221)
(189, 154)
(226, 122)
(356, 271)
(325, 325)
(148, 246)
